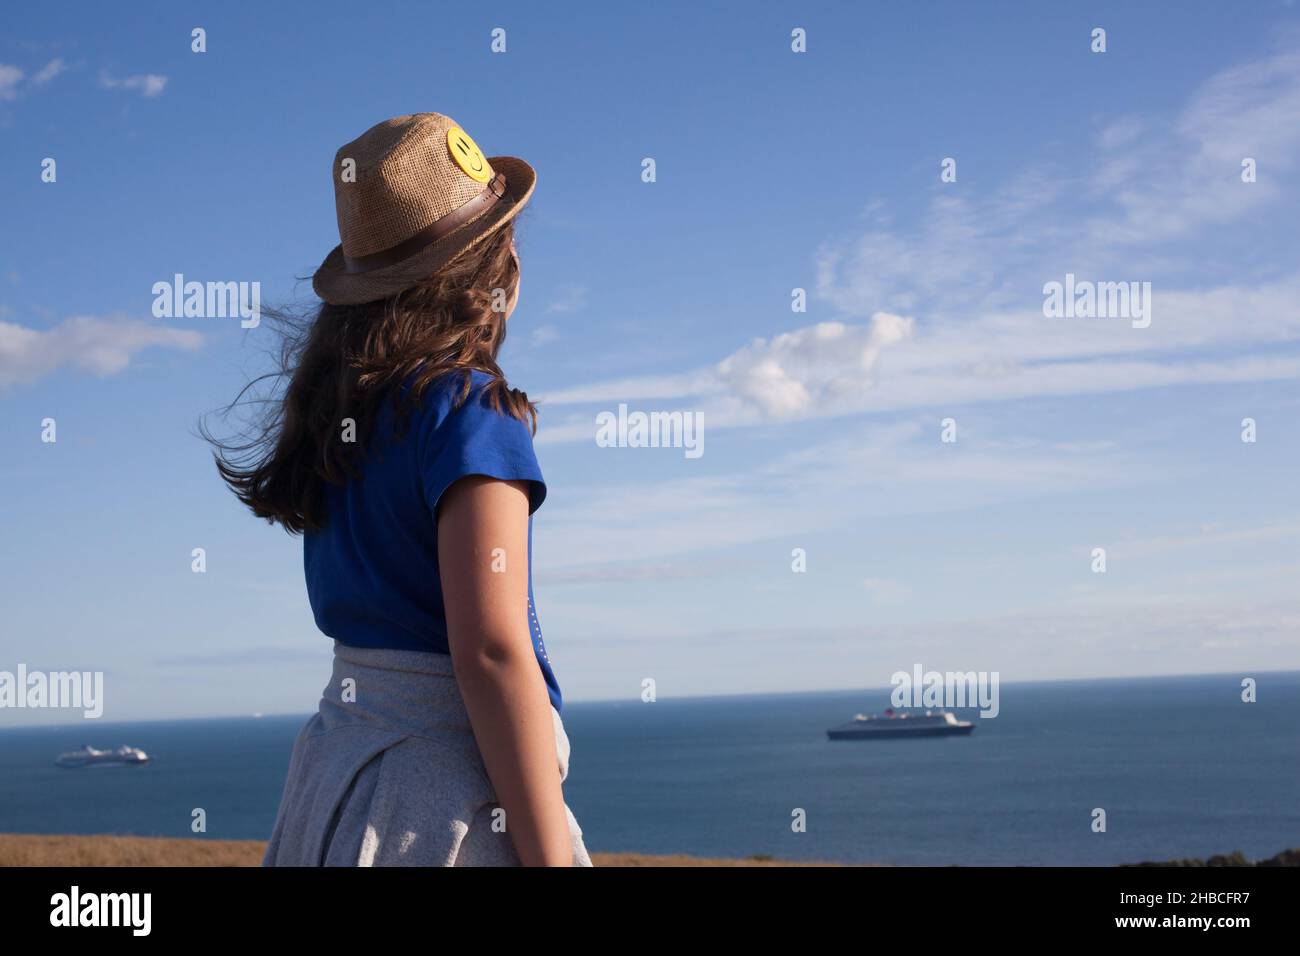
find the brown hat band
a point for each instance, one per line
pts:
(430, 233)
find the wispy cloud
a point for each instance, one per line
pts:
(886, 470)
(147, 85)
(1136, 637)
(262, 655)
(571, 298)
(1252, 110)
(10, 78)
(1118, 203)
(886, 591)
(14, 82)
(636, 572)
(101, 346)
(543, 334)
(1205, 537)
(49, 71)
(969, 275)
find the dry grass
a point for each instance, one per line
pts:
(22, 850)
(642, 859)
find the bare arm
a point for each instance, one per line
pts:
(492, 654)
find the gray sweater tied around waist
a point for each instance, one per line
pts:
(388, 773)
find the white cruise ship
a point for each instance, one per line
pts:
(88, 756)
(933, 723)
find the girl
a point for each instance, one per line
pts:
(406, 462)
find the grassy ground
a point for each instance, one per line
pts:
(23, 850)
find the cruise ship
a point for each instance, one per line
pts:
(933, 723)
(88, 756)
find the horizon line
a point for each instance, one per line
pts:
(691, 697)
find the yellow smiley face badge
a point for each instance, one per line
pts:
(467, 155)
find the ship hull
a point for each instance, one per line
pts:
(893, 733)
(89, 758)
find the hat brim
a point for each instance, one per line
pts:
(335, 285)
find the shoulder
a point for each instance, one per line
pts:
(453, 401)
(461, 433)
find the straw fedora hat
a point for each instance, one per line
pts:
(411, 194)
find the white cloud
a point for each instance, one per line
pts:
(49, 71)
(792, 374)
(101, 346)
(892, 363)
(147, 84)
(10, 77)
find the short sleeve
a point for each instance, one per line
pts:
(476, 439)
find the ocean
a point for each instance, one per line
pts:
(1181, 766)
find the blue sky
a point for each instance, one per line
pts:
(775, 171)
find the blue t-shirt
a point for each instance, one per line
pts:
(372, 571)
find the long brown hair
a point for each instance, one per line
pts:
(343, 361)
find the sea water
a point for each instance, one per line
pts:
(1181, 767)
